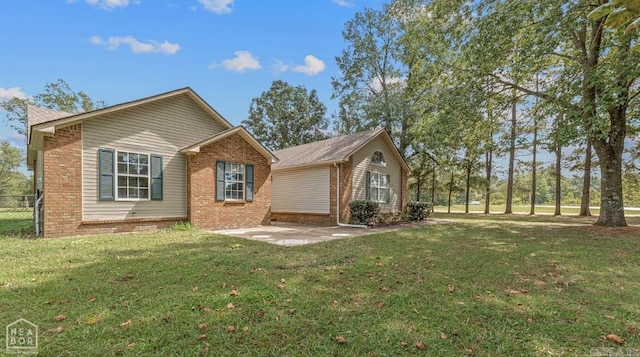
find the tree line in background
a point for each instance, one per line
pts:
(460, 84)
(56, 95)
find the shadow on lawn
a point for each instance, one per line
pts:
(494, 289)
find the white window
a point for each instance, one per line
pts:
(378, 159)
(378, 187)
(234, 181)
(133, 175)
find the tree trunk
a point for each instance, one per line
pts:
(467, 189)
(487, 190)
(586, 183)
(433, 189)
(512, 154)
(534, 165)
(558, 192)
(610, 154)
(450, 192)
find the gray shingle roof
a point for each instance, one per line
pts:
(330, 150)
(37, 115)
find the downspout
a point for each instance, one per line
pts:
(36, 208)
(338, 202)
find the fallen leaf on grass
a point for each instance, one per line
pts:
(56, 330)
(615, 338)
(280, 286)
(334, 303)
(194, 289)
(167, 317)
(632, 330)
(378, 264)
(291, 311)
(404, 343)
(202, 326)
(233, 292)
(92, 299)
(443, 336)
(131, 345)
(206, 310)
(201, 337)
(450, 288)
(125, 303)
(383, 288)
(60, 317)
(94, 320)
(230, 306)
(126, 324)
(231, 328)
(419, 344)
(340, 339)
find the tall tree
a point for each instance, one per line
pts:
(373, 88)
(57, 95)
(285, 116)
(10, 158)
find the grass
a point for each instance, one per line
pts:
(540, 209)
(484, 286)
(17, 221)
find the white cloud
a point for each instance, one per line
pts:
(114, 42)
(108, 4)
(242, 61)
(312, 66)
(376, 85)
(279, 66)
(8, 93)
(218, 6)
(343, 3)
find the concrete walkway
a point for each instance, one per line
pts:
(291, 234)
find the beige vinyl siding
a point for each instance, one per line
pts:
(162, 128)
(300, 190)
(362, 164)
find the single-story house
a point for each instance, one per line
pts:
(314, 183)
(144, 165)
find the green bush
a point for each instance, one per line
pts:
(183, 226)
(363, 212)
(418, 211)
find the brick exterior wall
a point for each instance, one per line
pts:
(63, 182)
(204, 211)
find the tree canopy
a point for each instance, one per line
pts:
(285, 116)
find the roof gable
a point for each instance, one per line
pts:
(333, 150)
(195, 148)
(46, 118)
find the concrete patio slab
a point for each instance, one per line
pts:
(292, 234)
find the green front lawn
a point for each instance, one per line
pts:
(485, 286)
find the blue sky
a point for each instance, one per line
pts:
(228, 51)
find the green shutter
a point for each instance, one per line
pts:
(388, 196)
(106, 175)
(249, 184)
(368, 185)
(156, 177)
(220, 181)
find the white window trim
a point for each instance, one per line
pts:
(379, 188)
(117, 175)
(381, 164)
(244, 182)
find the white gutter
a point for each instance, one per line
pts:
(338, 202)
(36, 208)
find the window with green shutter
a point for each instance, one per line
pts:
(234, 181)
(156, 177)
(129, 176)
(106, 175)
(378, 187)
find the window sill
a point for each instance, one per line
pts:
(234, 202)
